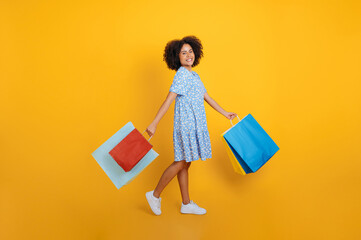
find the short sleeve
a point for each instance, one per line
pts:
(180, 84)
(203, 88)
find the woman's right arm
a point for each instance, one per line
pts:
(162, 110)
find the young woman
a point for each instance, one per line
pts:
(190, 133)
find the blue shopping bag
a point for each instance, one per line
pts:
(116, 174)
(250, 144)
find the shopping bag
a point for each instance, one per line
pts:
(128, 152)
(236, 165)
(250, 144)
(116, 173)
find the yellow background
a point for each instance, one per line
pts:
(74, 72)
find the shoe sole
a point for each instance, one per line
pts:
(147, 197)
(193, 213)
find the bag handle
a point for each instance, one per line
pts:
(150, 136)
(232, 122)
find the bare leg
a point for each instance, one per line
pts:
(167, 176)
(183, 183)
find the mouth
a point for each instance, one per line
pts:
(189, 60)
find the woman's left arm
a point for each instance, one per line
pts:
(215, 105)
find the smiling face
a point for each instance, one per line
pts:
(186, 56)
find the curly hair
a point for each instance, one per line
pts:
(172, 50)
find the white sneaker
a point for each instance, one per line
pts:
(192, 208)
(154, 202)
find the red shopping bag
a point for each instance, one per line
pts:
(130, 150)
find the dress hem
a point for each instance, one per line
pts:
(192, 160)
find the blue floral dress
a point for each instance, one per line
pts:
(190, 133)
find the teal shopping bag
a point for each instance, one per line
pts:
(116, 174)
(250, 144)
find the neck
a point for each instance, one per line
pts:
(188, 68)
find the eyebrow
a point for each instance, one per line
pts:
(185, 50)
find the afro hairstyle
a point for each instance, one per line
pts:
(172, 50)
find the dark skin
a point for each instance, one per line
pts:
(180, 168)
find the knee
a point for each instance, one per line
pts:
(188, 164)
(180, 165)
